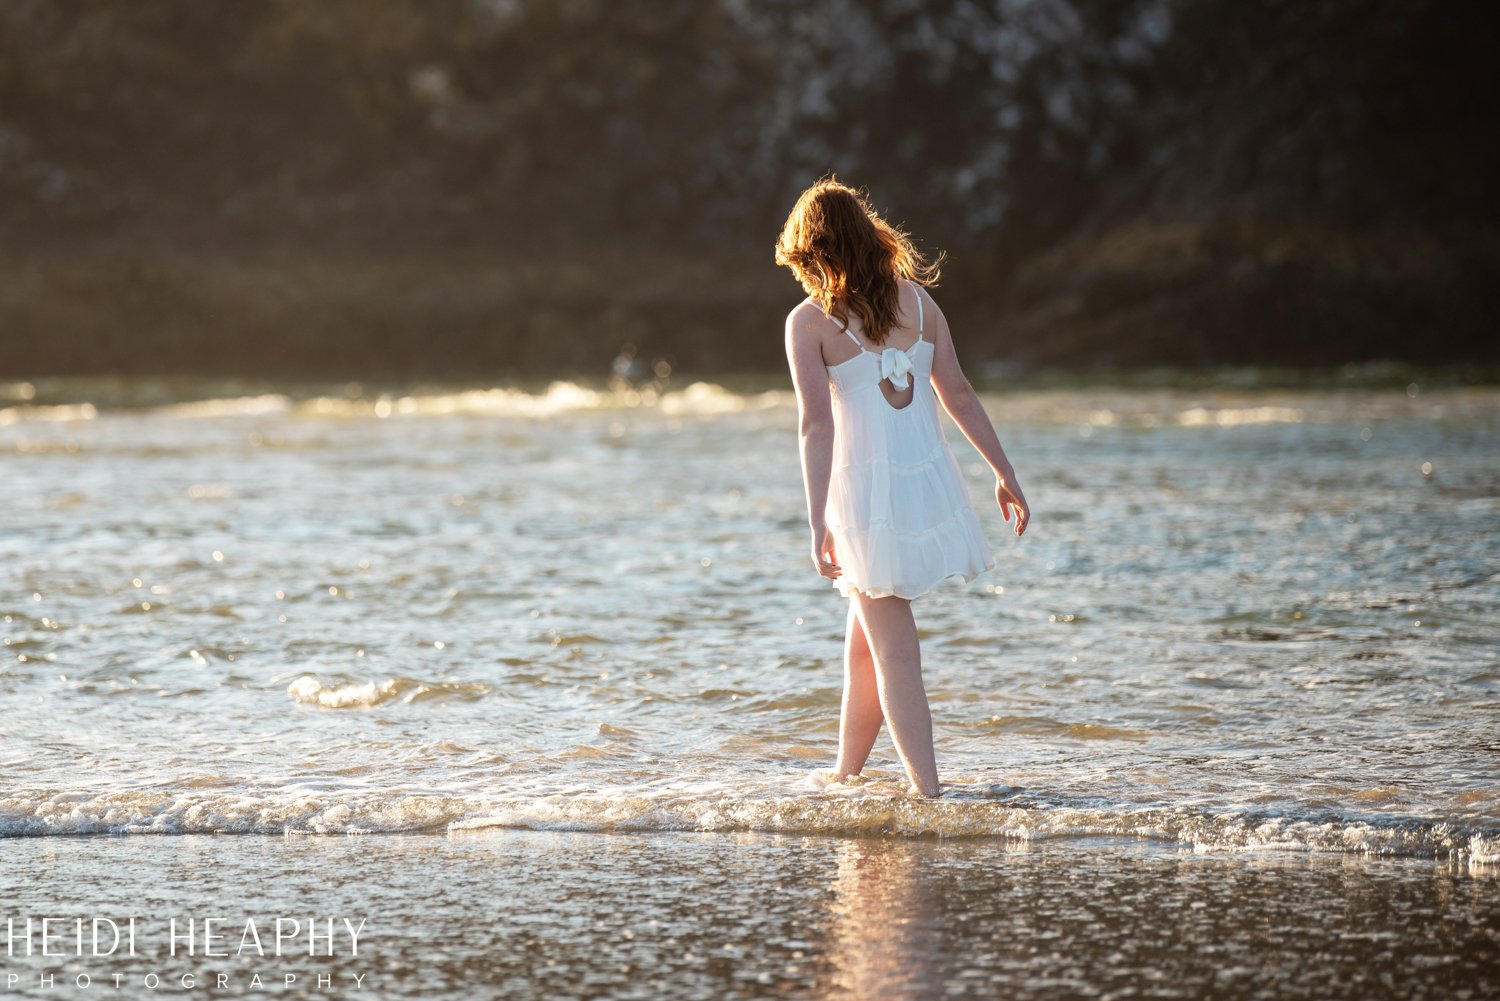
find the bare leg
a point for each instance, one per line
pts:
(860, 719)
(892, 635)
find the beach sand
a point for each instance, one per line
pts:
(504, 913)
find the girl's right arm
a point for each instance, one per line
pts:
(963, 405)
(804, 351)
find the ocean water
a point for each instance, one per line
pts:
(1259, 621)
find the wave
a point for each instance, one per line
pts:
(1088, 409)
(694, 399)
(314, 691)
(237, 406)
(1144, 410)
(699, 398)
(1233, 416)
(51, 413)
(559, 397)
(808, 806)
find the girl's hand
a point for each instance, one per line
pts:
(823, 556)
(1011, 500)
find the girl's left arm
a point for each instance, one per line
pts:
(962, 403)
(804, 351)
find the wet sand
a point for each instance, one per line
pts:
(505, 913)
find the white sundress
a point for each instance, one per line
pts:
(898, 509)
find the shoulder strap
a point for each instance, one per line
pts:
(918, 291)
(846, 330)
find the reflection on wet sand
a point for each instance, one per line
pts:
(890, 931)
(885, 936)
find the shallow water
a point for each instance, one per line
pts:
(1246, 619)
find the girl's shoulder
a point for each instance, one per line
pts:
(807, 314)
(923, 292)
(932, 312)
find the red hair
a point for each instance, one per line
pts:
(849, 259)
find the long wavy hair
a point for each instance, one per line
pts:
(849, 259)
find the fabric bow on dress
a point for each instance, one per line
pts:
(895, 365)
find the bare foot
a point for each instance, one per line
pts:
(822, 778)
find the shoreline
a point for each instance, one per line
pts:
(1455, 864)
(766, 806)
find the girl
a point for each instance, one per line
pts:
(871, 356)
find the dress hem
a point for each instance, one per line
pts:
(876, 592)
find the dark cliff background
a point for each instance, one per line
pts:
(463, 187)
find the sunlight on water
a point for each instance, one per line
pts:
(1244, 619)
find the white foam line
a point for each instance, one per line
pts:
(764, 806)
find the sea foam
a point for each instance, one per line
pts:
(785, 806)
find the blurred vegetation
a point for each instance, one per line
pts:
(443, 187)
